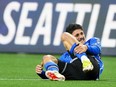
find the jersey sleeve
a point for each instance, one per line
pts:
(42, 75)
(94, 46)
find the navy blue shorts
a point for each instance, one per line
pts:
(73, 70)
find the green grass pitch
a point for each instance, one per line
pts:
(18, 70)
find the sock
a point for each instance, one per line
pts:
(51, 66)
(81, 56)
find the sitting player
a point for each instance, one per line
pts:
(81, 61)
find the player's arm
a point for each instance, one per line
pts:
(80, 48)
(42, 75)
(71, 43)
(93, 46)
(40, 72)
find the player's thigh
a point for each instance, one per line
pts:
(72, 71)
(68, 40)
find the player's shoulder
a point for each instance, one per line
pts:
(94, 39)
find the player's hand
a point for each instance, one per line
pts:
(39, 69)
(80, 48)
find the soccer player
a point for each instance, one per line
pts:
(81, 61)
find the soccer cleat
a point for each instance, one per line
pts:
(55, 75)
(87, 66)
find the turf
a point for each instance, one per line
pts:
(18, 70)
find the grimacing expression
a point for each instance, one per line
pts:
(79, 34)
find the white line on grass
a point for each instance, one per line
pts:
(18, 79)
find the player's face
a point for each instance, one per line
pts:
(79, 34)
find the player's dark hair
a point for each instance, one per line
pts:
(72, 27)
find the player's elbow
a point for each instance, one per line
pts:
(94, 50)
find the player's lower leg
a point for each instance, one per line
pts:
(86, 63)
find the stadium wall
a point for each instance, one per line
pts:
(35, 26)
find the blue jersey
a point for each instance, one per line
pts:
(94, 48)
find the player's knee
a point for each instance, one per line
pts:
(46, 57)
(64, 36)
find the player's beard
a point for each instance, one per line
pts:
(82, 40)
